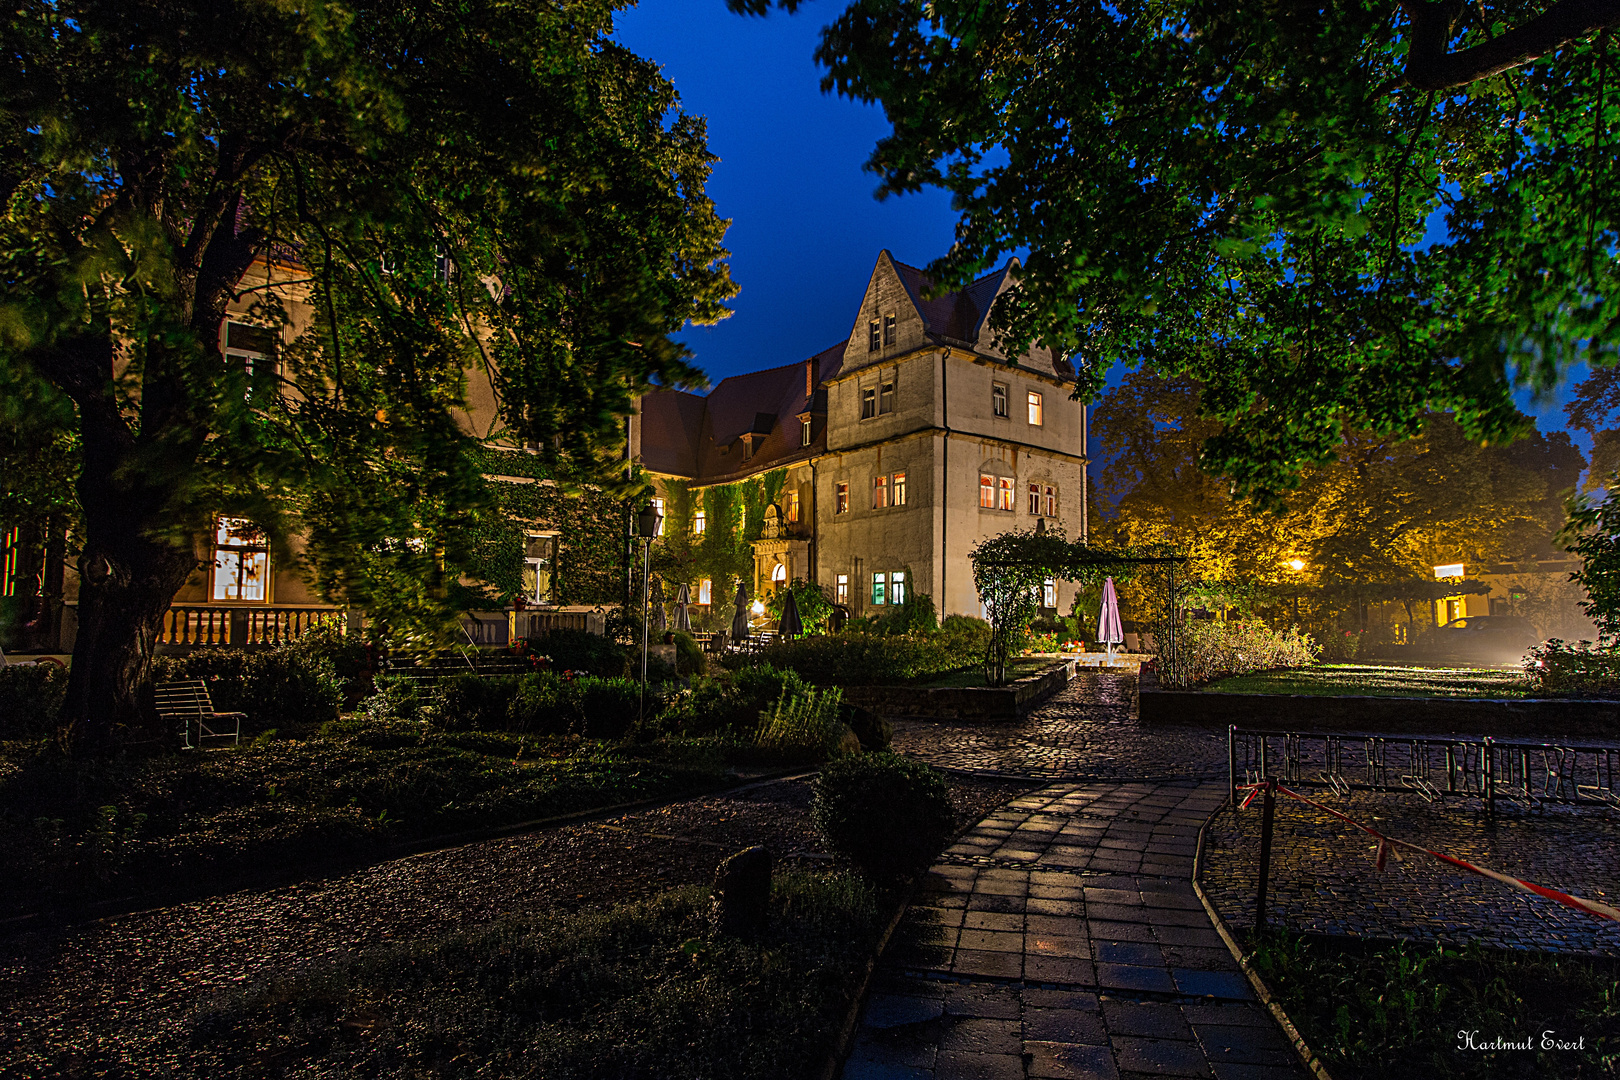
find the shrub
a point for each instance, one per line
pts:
(580, 650)
(290, 686)
(689, 656)
(875, 732)
(1559, 668)
(815, 610)
(889, 815)
(543, 703)
(474, 702)
(806, 724)
(866, 659)
(30, 697)
(1214, 650)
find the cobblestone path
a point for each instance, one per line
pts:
(1061, 939)
(1324, 878)
(1086, 731)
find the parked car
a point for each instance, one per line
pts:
(1497, 640)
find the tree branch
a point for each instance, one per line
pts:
(1429, 66)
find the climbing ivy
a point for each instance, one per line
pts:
(734, 518)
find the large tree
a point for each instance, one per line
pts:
(1335, 216)
(486, 186)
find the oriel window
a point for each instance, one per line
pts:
(241, 561)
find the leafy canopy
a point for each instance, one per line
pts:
(1336, 217)
(423, 198)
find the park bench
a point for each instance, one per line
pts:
(187, 702)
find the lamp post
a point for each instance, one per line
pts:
(647, 523)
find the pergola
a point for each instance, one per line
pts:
(1009, 569)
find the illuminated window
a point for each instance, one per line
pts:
(998, 399)
(700, 522)
(804, 432)
(842, 589)
(897, 489)
(868, 403)
(779, 574)
(241, 561)
(539, 561)
(1051, 501)
(793, 507)
(252, 350)
(873, 339)
(897, 587)
(880, 588)
(1035, 499)
(987, 491)
(10, 551)
(840, 498)
(1034, 408)
(1049, 593)
(886, 398)
(705, 591)
(888, 329)
(880, 492)
(1005, 484)
(658, 505)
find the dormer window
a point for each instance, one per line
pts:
(748, 447)
(888, 329)
(804, 432)
(874, 341)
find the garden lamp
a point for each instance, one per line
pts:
(648, 521)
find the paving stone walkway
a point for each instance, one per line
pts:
(1061, 939)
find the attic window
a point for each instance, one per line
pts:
(804, 432)
(748, 447)
(873, 339)
(888, 329)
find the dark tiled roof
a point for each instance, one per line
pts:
(959, 317)
(671, 421)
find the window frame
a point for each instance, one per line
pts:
(1037, 408)
(805, 432)
(841, 589)
(889, 329)
(886, 397)
(868, 402)
(841, 497)
(700, 522)
(987, 491)
(1000, 401)
(705, 591)
(1049, 594)
(880, 492)
(536, 594)
(874, 338)
(658, 505)
(793, 507)
(1051, 501)
(897, 488)
(1008, 489)
(1034, 503)
(260, 548)
(897, 587)
(880, 589)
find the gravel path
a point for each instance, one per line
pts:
(112, 998)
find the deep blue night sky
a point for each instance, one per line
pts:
(805, 228)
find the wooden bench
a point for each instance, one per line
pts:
(187, 702)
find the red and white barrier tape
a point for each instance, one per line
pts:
(1388, 845)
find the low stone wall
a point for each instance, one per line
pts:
(984, 703)
(1541, 717)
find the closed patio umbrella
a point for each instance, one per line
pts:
(683, 618)
(739, 621)
(1109, 630)
(791, 626)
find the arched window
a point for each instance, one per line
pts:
(779, 574)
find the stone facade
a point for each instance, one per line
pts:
(892, 442)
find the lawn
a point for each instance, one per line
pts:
(1373, 1010)
(1373, 680)
(74, 832)
(974, 676)
(645, 989)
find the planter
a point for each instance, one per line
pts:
(992, 704)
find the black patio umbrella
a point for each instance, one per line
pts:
(683, 617)
(791, 626)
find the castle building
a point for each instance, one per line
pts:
(879, 462)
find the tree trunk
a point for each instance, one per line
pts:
(126, 583)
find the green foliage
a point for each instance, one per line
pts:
(805, 725)
(1558, 668)
(582, 651)
(1215, 650)
(734, 706)
(815, 610)
(30, 697)
(1396, 1010)
(1371, 680)
(689, 656)
(734, 518)
(1593, 534)
(852, 658)
(889, 815)
(1251, 199)
(291, 686)
(638, 990)
(542, 703)
(915, 614)
(449, 205)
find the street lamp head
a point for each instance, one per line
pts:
(648, 521)
(1296, 565)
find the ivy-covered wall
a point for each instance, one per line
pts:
(591, 528)
(734, 518)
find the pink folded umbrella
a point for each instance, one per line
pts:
(1109, 630)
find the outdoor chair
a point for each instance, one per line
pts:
(187, 702)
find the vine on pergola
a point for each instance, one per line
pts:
(1009, 570)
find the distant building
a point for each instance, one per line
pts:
(876, 465)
